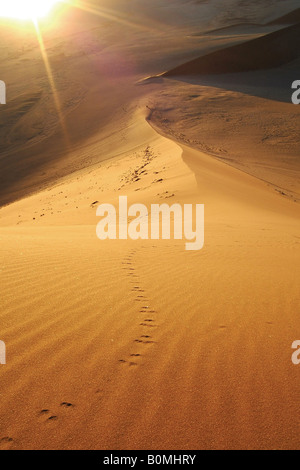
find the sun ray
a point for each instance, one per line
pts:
(35, 9)
(108, 14)
(51, 81)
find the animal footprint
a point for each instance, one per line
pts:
(147, 324)
(46, 412)
(6, 439)
(52, 418)
(65, 404)
(5, 443)
(130, 363)
(139, 341)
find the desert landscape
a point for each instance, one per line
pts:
(141, 344)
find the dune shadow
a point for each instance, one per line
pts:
(272, 84)
(264, 67)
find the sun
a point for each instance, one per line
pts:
(26, 9)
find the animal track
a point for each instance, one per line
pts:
(129, 363)
(135, 175)
(140, 341)
(6, 439)
(54, 417)
(65, 404)
(6, 443)
(130, 269)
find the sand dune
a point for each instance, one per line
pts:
(125, 344)
(291, 18)
(100, 349)
(272, 50)
(245, 120)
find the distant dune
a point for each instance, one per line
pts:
(291, 18)
(272, 50)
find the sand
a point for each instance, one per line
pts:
(125, 344)
(289, 18)
(270, 51)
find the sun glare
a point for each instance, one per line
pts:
(26, 9)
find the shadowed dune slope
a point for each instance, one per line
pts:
(291, 18)
(272, 50)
